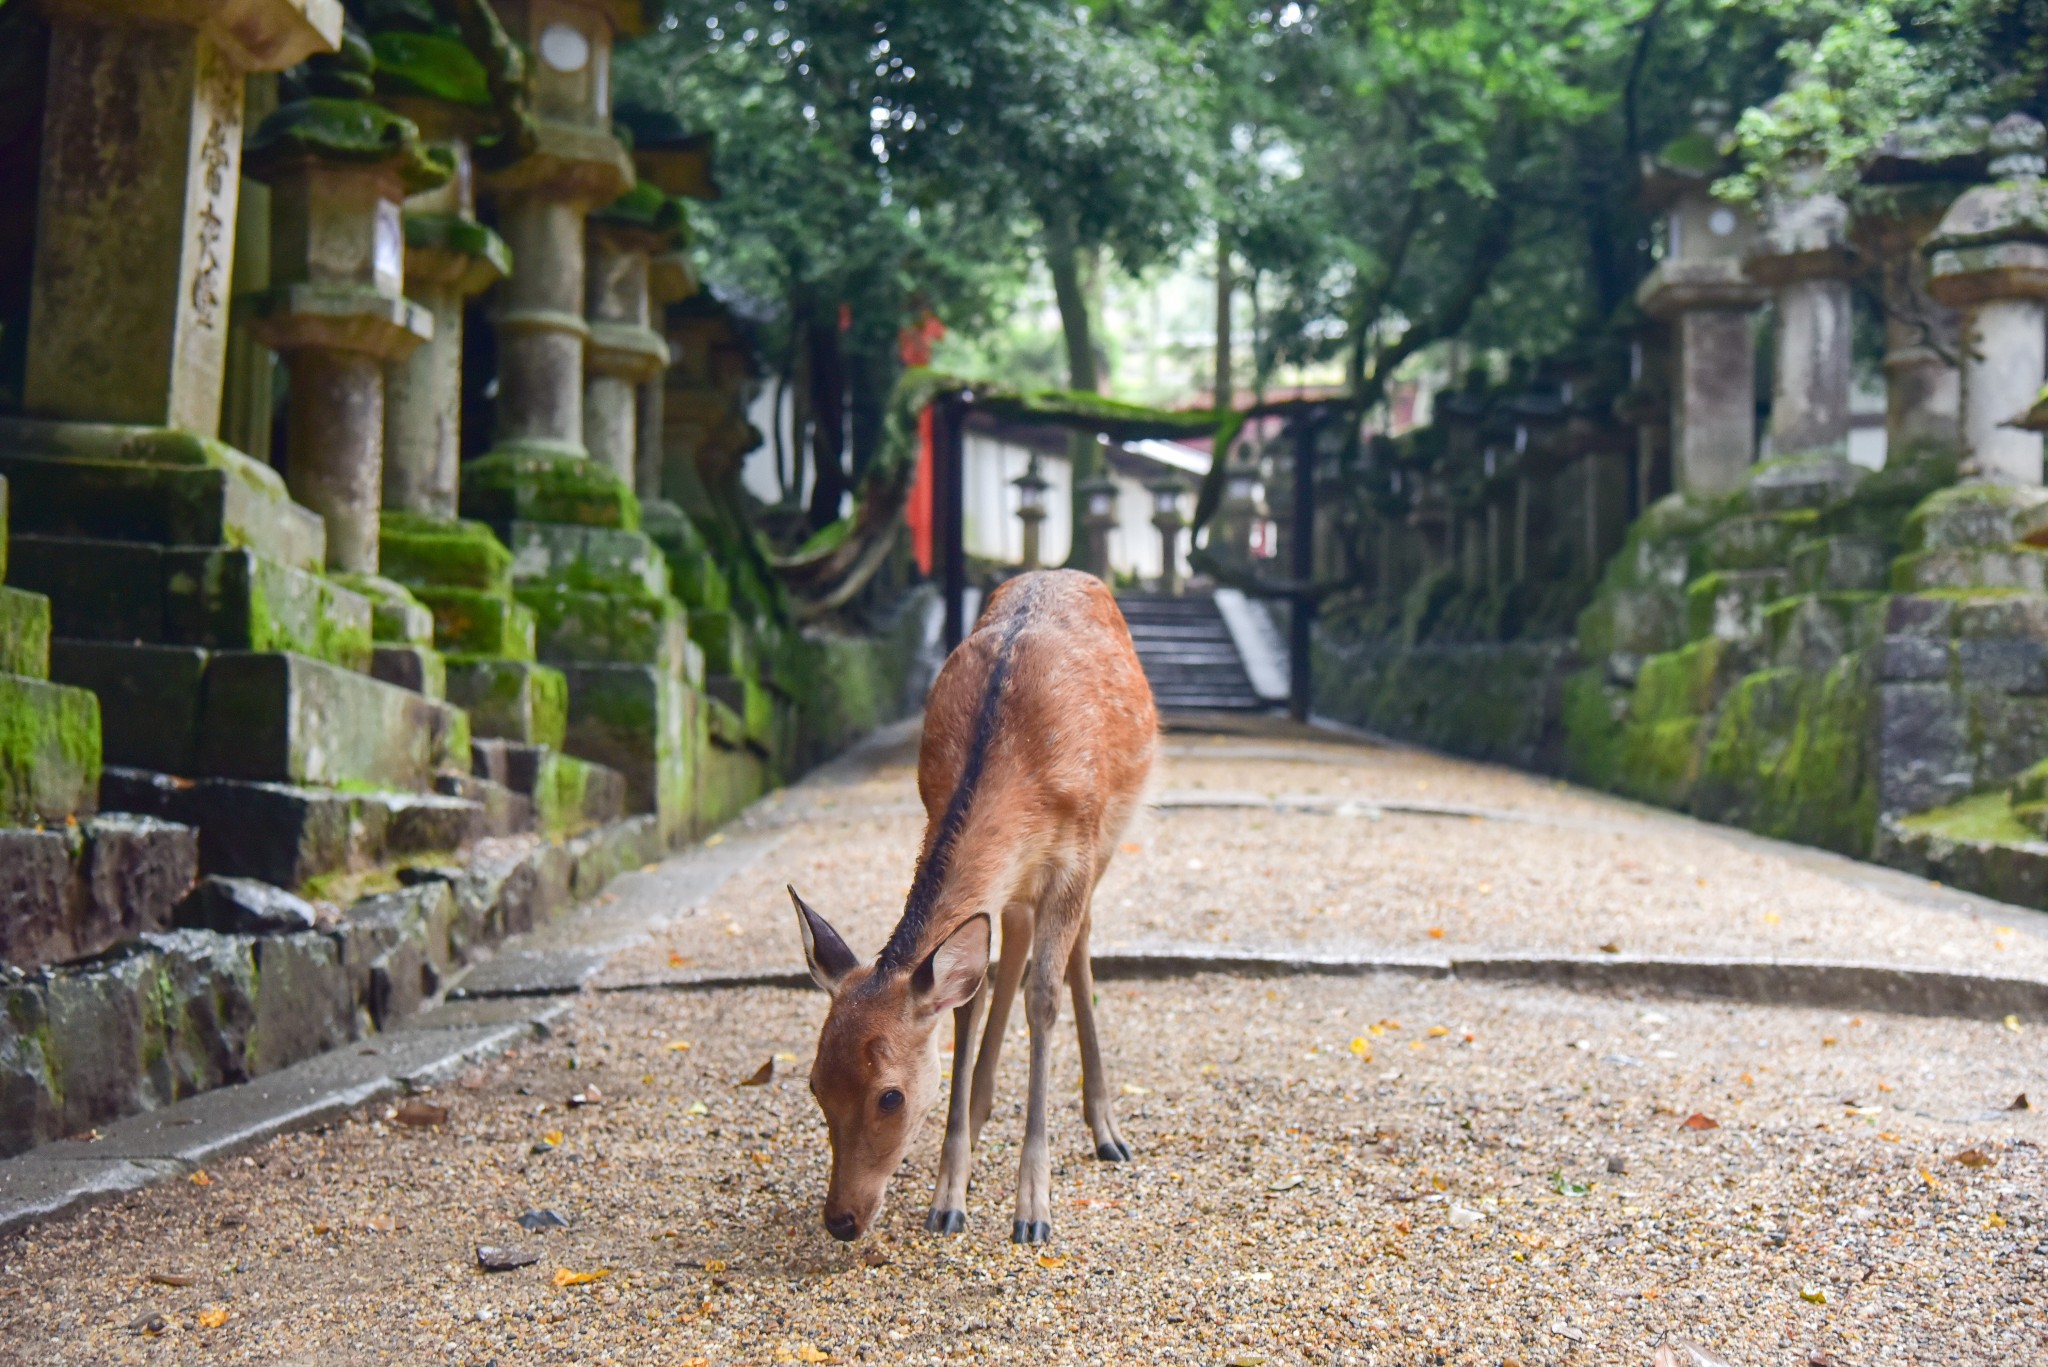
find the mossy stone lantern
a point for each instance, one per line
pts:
(339, 167)
(625, 351)
(1989, 258)
(1703, 290)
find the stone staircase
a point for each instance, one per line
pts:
(1189, 654)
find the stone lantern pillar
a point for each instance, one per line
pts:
(1031, 487)
(574, 165)
(339, 167)
(1701, 288)
(1166, 494)
(1907, 184)
(1803, 255)
(135, 217)
(670, 280)
(625, 352)
(1988, 257)
(1098, 521)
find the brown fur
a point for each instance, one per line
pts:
(1064, 765)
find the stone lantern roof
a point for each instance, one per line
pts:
(1993, 241)
(335, 123)
(1707, 240)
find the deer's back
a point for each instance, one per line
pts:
(1073, 730)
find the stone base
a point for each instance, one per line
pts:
(417, 668)
(217, 598)
(71, 893)
(636, 719)
(420, 551)
(273, 717)
(509, 486)
(568, 794)
(289, 835)
(607, 626)
(24, 633)
(513, 700)
(583, 557)
(49, 751)
(479, 622)
(728, 780)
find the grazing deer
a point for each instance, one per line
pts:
(1038, 742)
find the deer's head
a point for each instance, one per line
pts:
(876, 1076)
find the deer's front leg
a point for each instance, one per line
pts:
(949, 1202)
(1057, 932)
(1095, 1104)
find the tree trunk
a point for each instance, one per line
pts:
(1063, 261)
(1225, 387)
(871, 374)
(799, 406)
(828, 418)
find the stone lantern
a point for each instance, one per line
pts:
(572, 164)
(1031, 487)
(625, 352)
(1166, 494)
(1098, 519)
(1906, 185)
(1803, 255)
(1989, 258)
(1702, 289)
(339, 168)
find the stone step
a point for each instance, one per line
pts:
(1729, 604)
(396, 617)
(509, 486)
(226, 500)
(422, 552)
(421, 669)
(219, 598)
(24, 633)
(636, 719)
(515, 700)
(567, 794)
(504, 811)
(289, 834)
(49, 752)
(69, 894)
(1840, 563)
(577, 626)
(2009, 566)
(1756, 541)
(479, 622)
(579, 557)
(724, 640)
(1975, 517)
(268, 716)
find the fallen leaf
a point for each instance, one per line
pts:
(718, 839)
(1436, 932)
(1362, 1047)
(564, 1277)
(1700, 1120)
(2012, 1023)
(677, 1046)
(1048, 1260)
(762, 1076)
(1245, 1360)
(170, 1279)
(1828, 1041)
(1772, 918)
(503, 1259)
(533, 1221)
(1994, 1221)
(873, 1257)
(1564, 1186)
(1133, 1089)
(806, 1353)
(1287, 1183)
(213, 1317)
(421, 1114)
(2020, 1103)
(1611, 947)
(1973, 1158)
(785, 1058)
(1438, 1031)
(200, 1179)
(697, 1108)
(1813, 1295)
(1928, 1178)
(553, 1139)
(677, 960)
(1129, 847)
(714, 1264)
(383, 1224)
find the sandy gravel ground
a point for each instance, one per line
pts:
(1444, 1191)
(1558, 870)
(1387, 1170)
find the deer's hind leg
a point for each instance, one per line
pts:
(1095, 1105)
(948, 1214)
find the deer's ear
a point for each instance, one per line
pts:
(953, 973)
(826, 954)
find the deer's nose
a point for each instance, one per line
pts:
(843, 1227)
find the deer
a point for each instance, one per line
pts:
(1039, 738)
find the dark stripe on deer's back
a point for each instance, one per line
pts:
(931, 874)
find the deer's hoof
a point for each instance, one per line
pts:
(1113, 1151)
(946, 1221)
(1030, 1231)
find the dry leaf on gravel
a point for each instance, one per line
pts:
(566, 1277)
(2020, 1103)
(383, 1224)
(553, 1139)
(170, 1279)
(1814, 1295)
(421, 1114)
(213, 1317)
(677, 1046)
(1973, 1158)
(762, 1076)
(1700, 1120)
(1287, 1183)
(200, 1179)
(503, 1259)
(873, 1257)
(1048, 1260)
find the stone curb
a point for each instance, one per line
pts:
(61, 1178)
(1822, 983)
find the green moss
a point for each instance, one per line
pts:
(1693, 153)
(436, 66)
(1679, 683)
(49, 751)
(477, 622)
(419, 551)
(510, 486)
(461, 236)
(24, 633)
(617, 626)
(645, 207)
(351, 131)
(1979, 817)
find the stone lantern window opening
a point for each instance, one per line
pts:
(564, 48)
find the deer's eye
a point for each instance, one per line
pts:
(891, 1100)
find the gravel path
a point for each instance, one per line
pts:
(1383, 1170)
